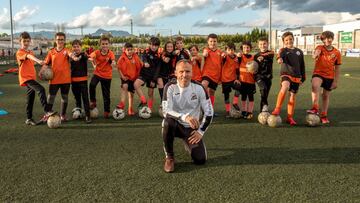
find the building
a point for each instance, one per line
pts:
(346, 37)
(305, 38)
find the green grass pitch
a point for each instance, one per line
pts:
(122, 161)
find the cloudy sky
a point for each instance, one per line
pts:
(170, 16)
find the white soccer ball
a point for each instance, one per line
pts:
(235, 113)
(47, 74)
(145, 112)
(263, 117)
(252, 66)
(274, 121)
(118, 114)
(94, 113)
(54, 121)
(312, 120)
(76, 113)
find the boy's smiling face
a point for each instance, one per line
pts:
(289, 41)
(76, 48)
(104, 45)
(328, 41)
(25, 43)
(129, 52)
(263, 46)
(212, 43)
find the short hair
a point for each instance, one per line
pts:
(212, 35)
(128, 45)
(263, 39)
(248, 43)
(154, 41)
(179, 38)
(286, 34)
(194, 46)
(60, 34)
(231, 45)
(327, 34)
(76, 42)
(25, 35)
(104, 38)
(184, 61)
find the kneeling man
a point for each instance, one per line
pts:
(184, 100)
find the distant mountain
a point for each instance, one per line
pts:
(114, 33)
(48, 35)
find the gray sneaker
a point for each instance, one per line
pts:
(30, 121)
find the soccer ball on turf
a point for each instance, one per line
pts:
(118, 114)
(47, 74)
(76, 113)
(274, 121)
(252, 66)
(235, 113)
(263, 117)
(54, 121)
(312, 120)
(145, 112)
(94, 113)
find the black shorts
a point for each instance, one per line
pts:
(212, 85)
(294, 87)
(147, 81)
(247, 88)
(228, 86)
(130, 84)
(326, 82)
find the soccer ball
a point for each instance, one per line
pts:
(252, 66)
(77, 113)
(47, 74)
(54, 121)
(145, 112)
(235, 113)
(94, 113)
(263, 117)
(118, 114)
(274, 121)
(161, 113)
(312, 120)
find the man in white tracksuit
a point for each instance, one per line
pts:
(183, 102)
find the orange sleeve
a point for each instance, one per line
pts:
(47, 60)
(112, 56)
(122, 66)
(93, 55)
(21, 55)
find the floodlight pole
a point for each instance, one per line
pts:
(12, 29)
(270, 40)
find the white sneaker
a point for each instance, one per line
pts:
(265, 108)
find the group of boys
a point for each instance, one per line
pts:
(155, 67)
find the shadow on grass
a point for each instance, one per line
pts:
(283, 156)
(274, 156)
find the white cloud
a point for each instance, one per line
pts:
(21, 15)
(101, 17)
(291, 19)
(166, 8)
(213, 23)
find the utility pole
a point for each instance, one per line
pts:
(270, 37)
(131, 26)
(12, 30)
